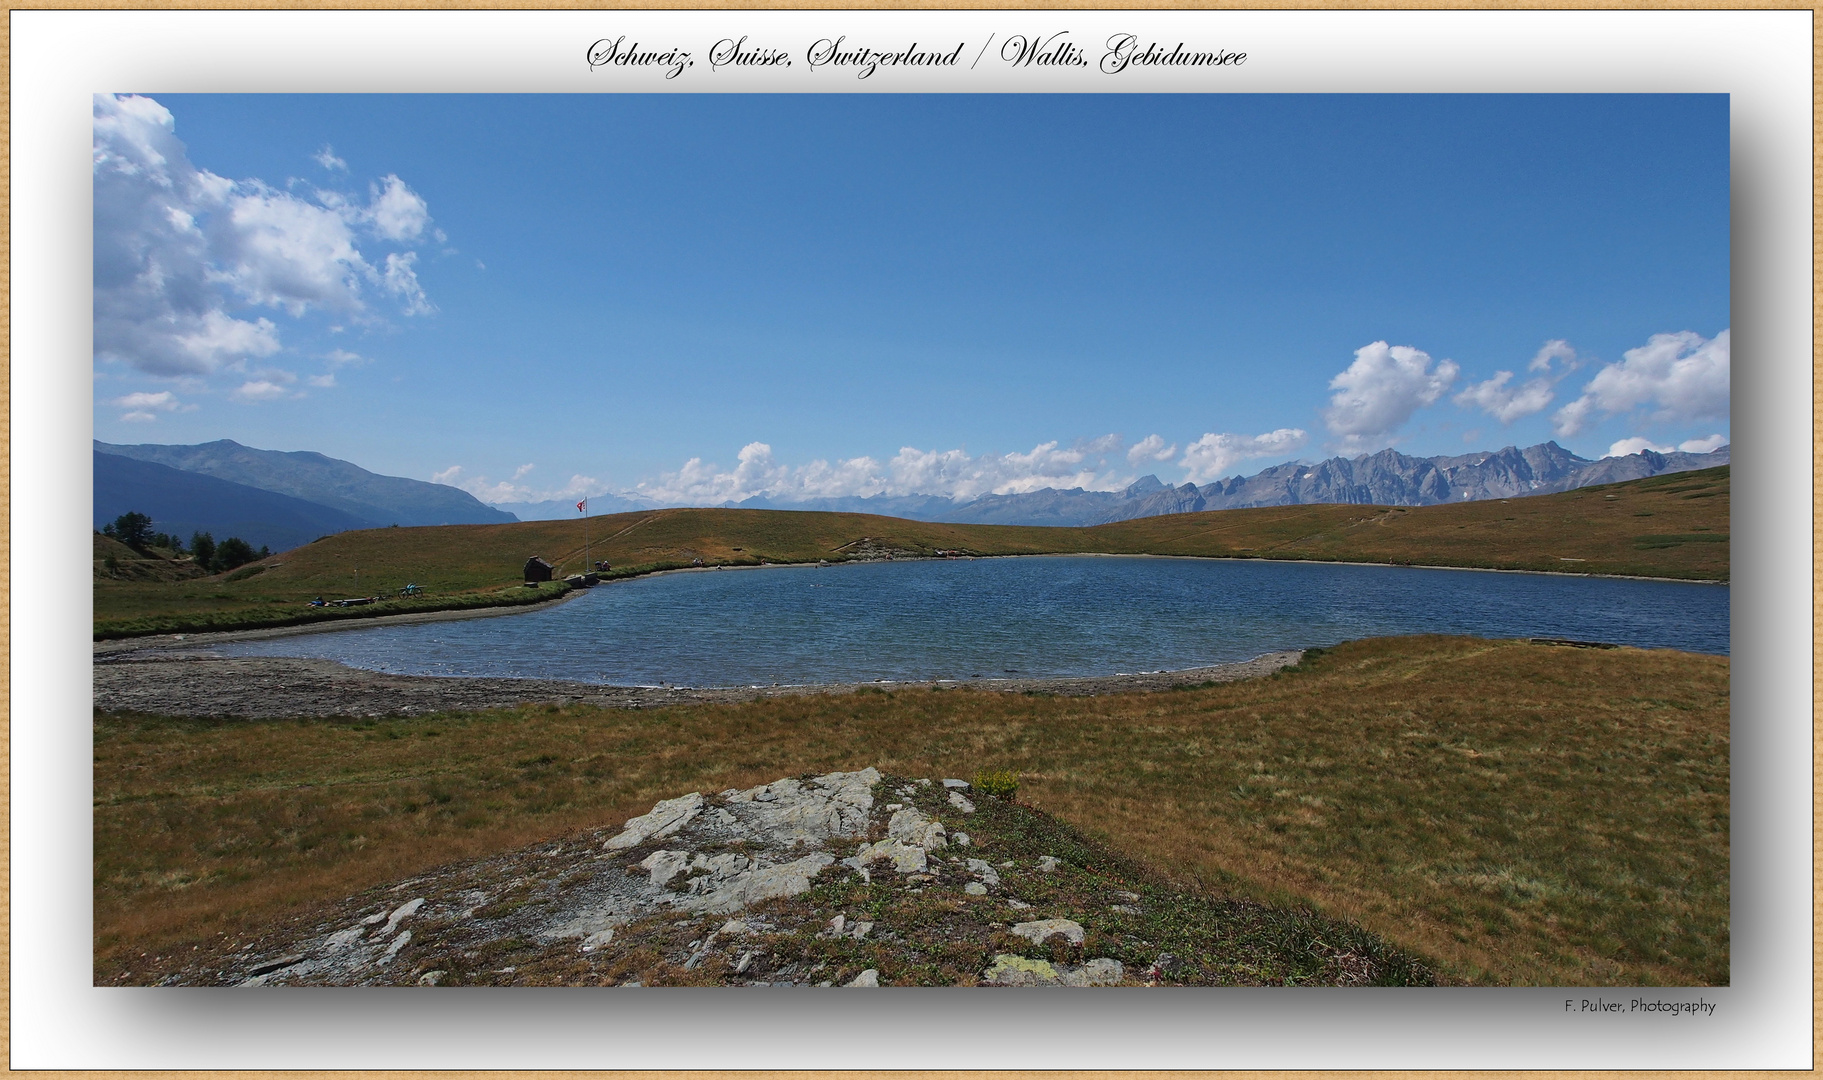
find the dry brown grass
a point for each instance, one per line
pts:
(1522, 814)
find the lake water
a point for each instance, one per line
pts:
(994, 618)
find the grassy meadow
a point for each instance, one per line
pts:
(1673, 526)
(1514, 813)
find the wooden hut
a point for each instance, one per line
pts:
(537, 569)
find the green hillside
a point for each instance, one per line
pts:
(1673, 526)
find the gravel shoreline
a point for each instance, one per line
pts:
(175, 683)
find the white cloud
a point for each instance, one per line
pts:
(1507, 403)
(164, 400)
(396, 211)
(952, 473)
(1210, 457)
(324, 381)
(1706, 445)
(1628, 447)
(1555, 349)
(180, 253)
(402, 281)
(342, 358)
(327, 159)
(1153, 448)
(139, 417)
(262, 390)
(1682, 374)
(511, 491)
(1380, 391)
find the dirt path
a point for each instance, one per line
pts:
(197, 684)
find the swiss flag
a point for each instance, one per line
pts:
(582, 506)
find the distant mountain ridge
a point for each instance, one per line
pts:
(1387, 478)
(183, 503)
(326, 481)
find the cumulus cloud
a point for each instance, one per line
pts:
(396, 211)
(912, 471)
(327, 159)
(143, 407)
(511, 491)
(1628, 447)
(1680, 376)
(1380, 391)
(342, 358)
(1507, 403)
(1151, 448)
(181, 254)
(1689, 446)
(1210, 457)
(262, 390)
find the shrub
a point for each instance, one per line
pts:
(1000, 783)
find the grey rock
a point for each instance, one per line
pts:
(912, 827)
(276, 964)
(984, 870)
(432, 978)
(870, 977)
(961, 839)
(1042, 930)
(752, 886)
(959, 785)
(975, 888)
(1048, 863)
(665, 865)
(956, 800)
(400, 914)
(661, 821)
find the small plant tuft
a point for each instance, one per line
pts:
(1000, 783)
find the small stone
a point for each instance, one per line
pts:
(431, 978)
(981, 869)
(975, 888)
(1017, 905)
(895, 806)
(746, 962)
(870, 977)
(836, 924)
(733, 926)
(1044, 929)
(924, 782)
(861, 930)
(956, 800)
(1048, 863)
(959, 785)
(1125, 909)
(961, 839)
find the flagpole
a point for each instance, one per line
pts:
(584, 507)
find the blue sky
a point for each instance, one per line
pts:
(706, 297)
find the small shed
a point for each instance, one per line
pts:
(537, 569)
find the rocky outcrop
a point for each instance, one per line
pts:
(851, 879)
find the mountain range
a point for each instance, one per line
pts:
(282, 499)
(267, 497)
(1387, 478)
